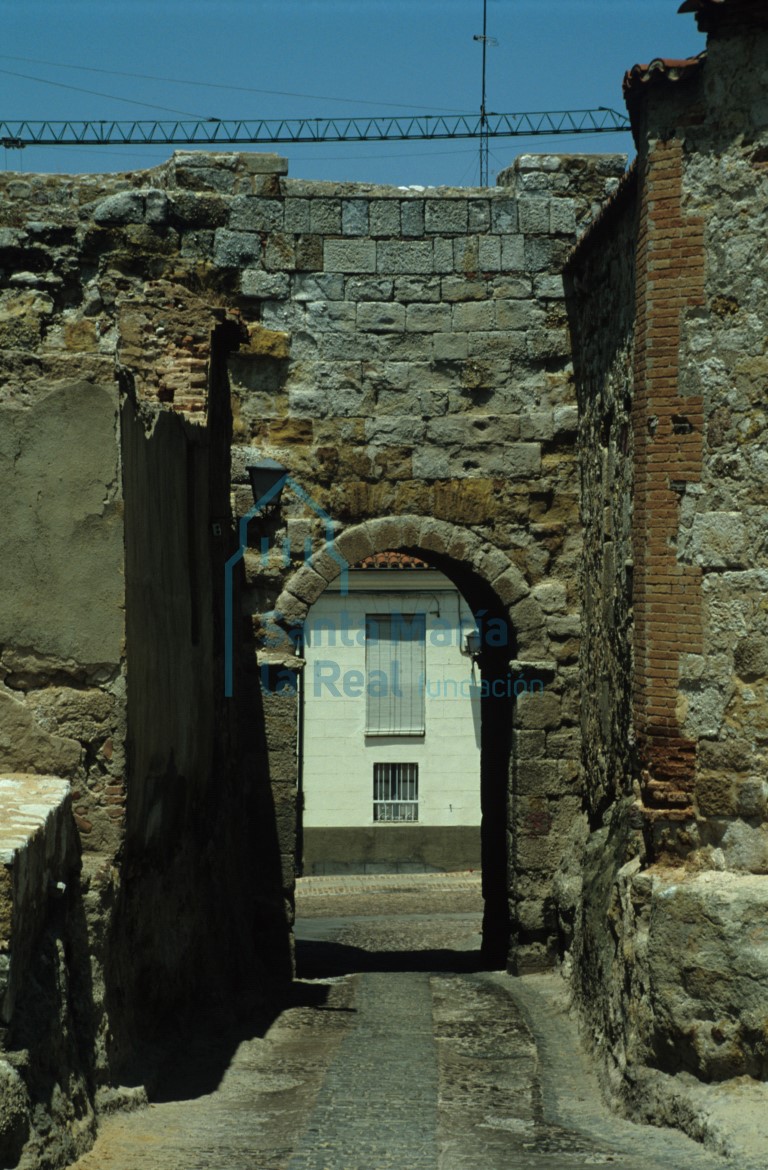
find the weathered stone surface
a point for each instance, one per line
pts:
(381, 317)
(538, 711)
(14, 1114)
(718, 540)
(125, 207)
(325, 216)
(405, 257)
(384, 217)
(261, 163)
(708, 971)
(350, 256)
(267, 343)
(354, 217)
(256, 283)
(251, 214)
(445, 215)
(236, 249)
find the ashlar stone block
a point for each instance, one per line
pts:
(318, 287)
(251, 214)
(369, 288)
(325, 216)
(450, 346)
(504, 216)
(478, 215)
(489, 254)
(534, 216)
(538, 711)
(473, 316)
(354, 217)
(384, 217)
(402, 256)
(513, 253)
(235, 249)
(445, 215)
(350, 256)
(380, 317)
(356, 543)
(442, 255)
(523, 459)
(428, 318)
(412, 217)
(416, 288)
(562, 216)
(297, 215)
(258, 284)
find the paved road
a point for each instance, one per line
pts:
(397, 1053)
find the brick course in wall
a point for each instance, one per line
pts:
(667, 453)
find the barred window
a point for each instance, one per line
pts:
(394, 669)
(395, 792)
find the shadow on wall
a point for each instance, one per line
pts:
(199, 922)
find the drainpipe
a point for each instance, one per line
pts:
(299, 859)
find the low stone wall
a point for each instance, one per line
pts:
(392, 849)
(44, 1098)
(38, 857)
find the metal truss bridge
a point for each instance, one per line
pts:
(17, 134)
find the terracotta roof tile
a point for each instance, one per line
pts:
(661, 69)
(392, 560)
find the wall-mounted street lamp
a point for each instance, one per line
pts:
(472, 644)
(267, 478)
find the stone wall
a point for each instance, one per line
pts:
(412, 359)
(601, 282)
(111, 644)
(676, 786)
(62, 540)
(45, 1068)
(405, 354)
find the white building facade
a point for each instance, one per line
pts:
(390, 740)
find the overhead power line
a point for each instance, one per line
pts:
(198, 84)
(225, 131)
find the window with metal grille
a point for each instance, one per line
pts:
(394, 667)
(395, 792)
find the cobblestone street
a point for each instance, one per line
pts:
(397, 1053)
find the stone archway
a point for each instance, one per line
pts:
(528, 751)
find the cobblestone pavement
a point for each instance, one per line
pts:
(397, 1053)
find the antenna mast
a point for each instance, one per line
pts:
(485, 40)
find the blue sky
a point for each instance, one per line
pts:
(322, 58)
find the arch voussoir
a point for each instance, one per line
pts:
(307, 584)
(328, 562)
(435, 535)
(510, 586)
(490, 563)
(394, 532)
(356, 543)
(289, 609)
